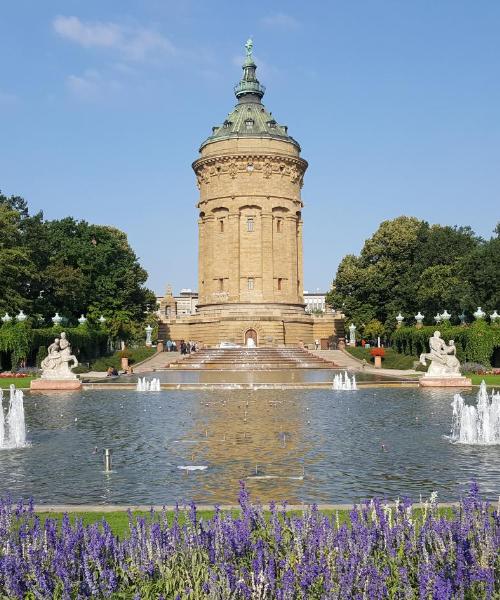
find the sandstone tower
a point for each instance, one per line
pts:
(250, 271)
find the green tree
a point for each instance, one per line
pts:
(408, 266)
(481, 269)
(373, 329)
(70, 267)
(16, 267)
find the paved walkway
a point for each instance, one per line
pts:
(346, 360)
(158, 361)
(108, 508)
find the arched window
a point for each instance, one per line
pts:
(221, 225)
(250, 224)
(250, 283)
(249, 123)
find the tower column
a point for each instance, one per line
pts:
(209, 272)
(201, 262)
(267, 257)
(300, 262)
(234, 255)
(291, 266)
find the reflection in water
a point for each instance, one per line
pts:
(208, 377)
(296, 445)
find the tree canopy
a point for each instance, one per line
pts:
(408, 265)
(70, 267)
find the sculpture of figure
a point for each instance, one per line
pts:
(53, 358)
(56, 365)
(249, 46)
(66, 356)
(442, 356)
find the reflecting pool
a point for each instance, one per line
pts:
(298, 445)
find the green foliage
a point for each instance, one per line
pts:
(373, 329)
(70, 267)
(409, 265)
(15, 339)
(40, 355)
(390, 360)
(21, 342)
(135, 355)
(474, 343)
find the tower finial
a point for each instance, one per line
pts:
(249, 88)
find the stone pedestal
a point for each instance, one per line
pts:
(378, 362)
(56, 384)
(457, 381)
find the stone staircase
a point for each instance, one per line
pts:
(251, 359)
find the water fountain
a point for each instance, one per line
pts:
(345, 382)
(477, 424)
(148, 385)
(13, 428)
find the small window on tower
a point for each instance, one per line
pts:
(280, 284)
(278, 226)
(250, 224)
(227, 124)
(250, 283)
(249, 123)
(221, 225)
(221, 284)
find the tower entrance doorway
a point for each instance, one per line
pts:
(251, 338)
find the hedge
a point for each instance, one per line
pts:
(475, 343)
(19, 341)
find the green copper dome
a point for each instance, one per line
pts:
(249, 117)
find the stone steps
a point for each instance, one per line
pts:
(227, 359)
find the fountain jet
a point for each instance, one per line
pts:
(477, 424)
(148, 385)
(345, 382)
(13, 427)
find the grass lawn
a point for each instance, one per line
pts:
(119, 521)
(391, 360)
(19, 382)
(493, 380)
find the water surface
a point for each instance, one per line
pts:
(302, 445)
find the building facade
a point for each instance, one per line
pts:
(250, 268)
(315, 302)
(170, 306)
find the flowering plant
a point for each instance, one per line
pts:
(377, 352)
(384, 552)
(7, 374)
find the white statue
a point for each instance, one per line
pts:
(444, 362)
(56, 365)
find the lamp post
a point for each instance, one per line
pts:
(6, 318)
(56, 319)
(352, 334)
(419, 318)
(479, 314)
(82, 320)
(400, 319)
(149, 330)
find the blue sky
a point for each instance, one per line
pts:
(396, 105)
